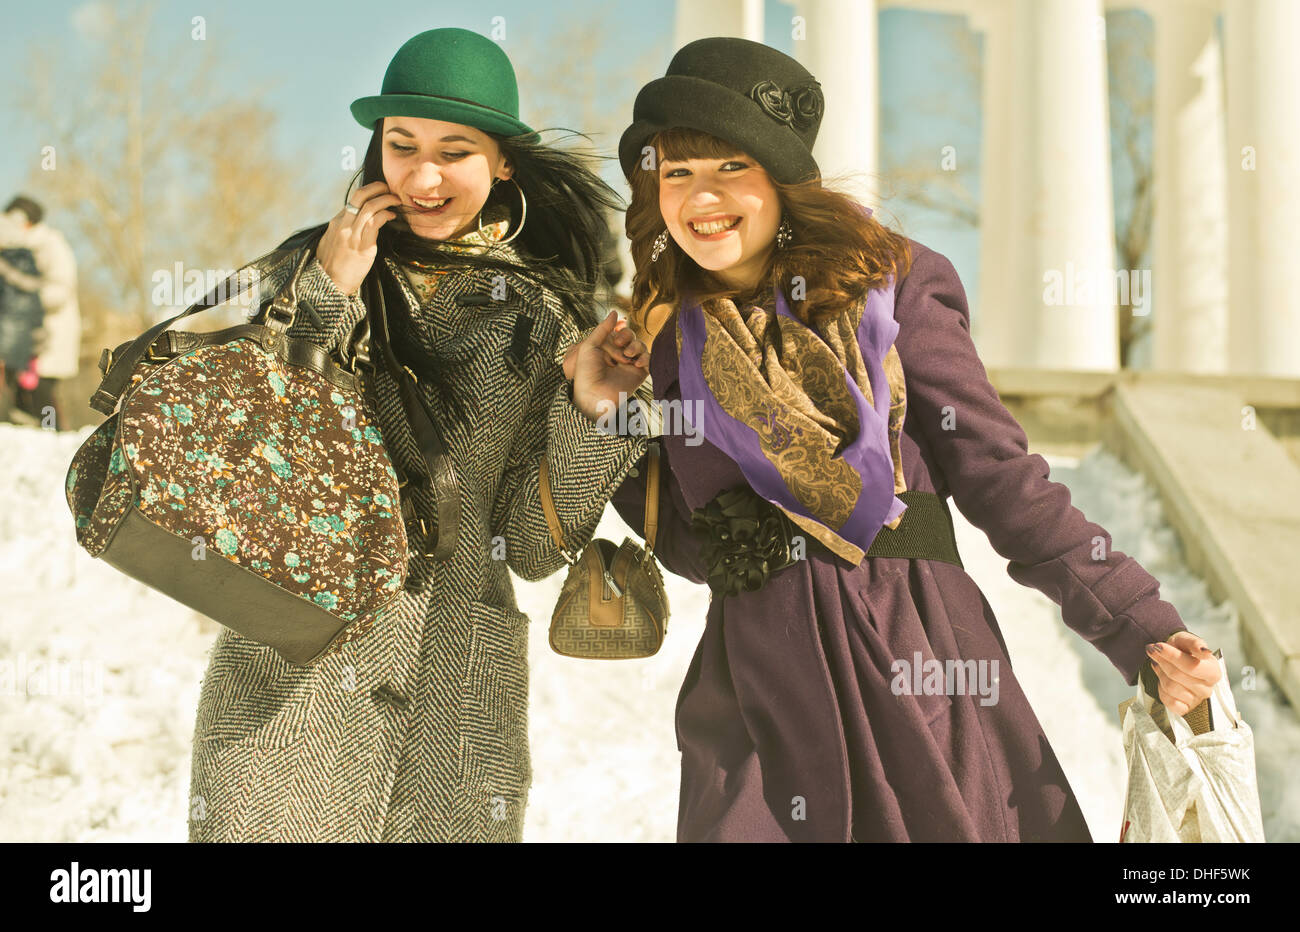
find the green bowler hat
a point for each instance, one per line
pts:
(453, 75)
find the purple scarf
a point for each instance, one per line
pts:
(783, 439)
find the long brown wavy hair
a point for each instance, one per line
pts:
(840, 251)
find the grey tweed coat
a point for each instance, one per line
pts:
(418, 731)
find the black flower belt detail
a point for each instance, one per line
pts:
(745, 538)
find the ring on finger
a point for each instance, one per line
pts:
(352, 208)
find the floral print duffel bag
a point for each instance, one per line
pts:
(245, 476)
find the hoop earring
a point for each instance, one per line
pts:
(660, 244)
(784, 234)
(523, 216)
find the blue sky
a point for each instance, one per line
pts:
(318, 57)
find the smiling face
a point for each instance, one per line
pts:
(723, 213)
(430, 162)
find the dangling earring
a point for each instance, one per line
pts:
(784, 234)
(661, 243)
(523, 216)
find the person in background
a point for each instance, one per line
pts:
(56, 342)
(20, 317)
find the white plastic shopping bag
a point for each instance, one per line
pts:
(1196, 788)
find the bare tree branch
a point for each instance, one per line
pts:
(947, 193)
(154, 163)
(1129, 53)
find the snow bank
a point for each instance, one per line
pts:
(98, 747)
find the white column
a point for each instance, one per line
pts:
(1189, 272)
(1072, 218)
(751, 22)
(840, 49)
(1263, 74)
(697, 20)
(1046, 198)
(1006, 266)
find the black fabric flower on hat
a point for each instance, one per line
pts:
(800, 106)
(745, 540)
(808, 104)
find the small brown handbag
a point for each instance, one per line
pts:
(612, 605)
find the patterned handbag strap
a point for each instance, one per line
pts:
(651, 528)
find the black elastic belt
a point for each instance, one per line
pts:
(925, 533)
(745, 538)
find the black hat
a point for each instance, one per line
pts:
(751, 95)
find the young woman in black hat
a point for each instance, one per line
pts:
(417, 729)
(851, 683)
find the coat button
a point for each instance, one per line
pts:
(386, 693)
(634, 472)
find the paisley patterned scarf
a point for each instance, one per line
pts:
(812, 416)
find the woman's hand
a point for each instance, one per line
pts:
(1187, 671)
(606, 364)
(620, 346)
(347, 250)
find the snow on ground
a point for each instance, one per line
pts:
(97, 746)
(1084, 730)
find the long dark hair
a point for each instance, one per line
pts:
(563, 246)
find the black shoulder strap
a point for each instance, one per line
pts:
(303, 237)
(118, 374)
(382, 290)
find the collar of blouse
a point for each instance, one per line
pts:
(423, 277)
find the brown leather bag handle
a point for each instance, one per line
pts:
(651, 528)
(652, 496)
(119, 365)
(548, 508)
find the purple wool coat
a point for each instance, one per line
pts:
(787, 723)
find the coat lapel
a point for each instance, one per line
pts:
(663, 359)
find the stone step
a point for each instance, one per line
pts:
(1232, 492)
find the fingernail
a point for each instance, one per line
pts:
(1153, 648)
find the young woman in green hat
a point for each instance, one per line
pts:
(827, 362)
(417, 729)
